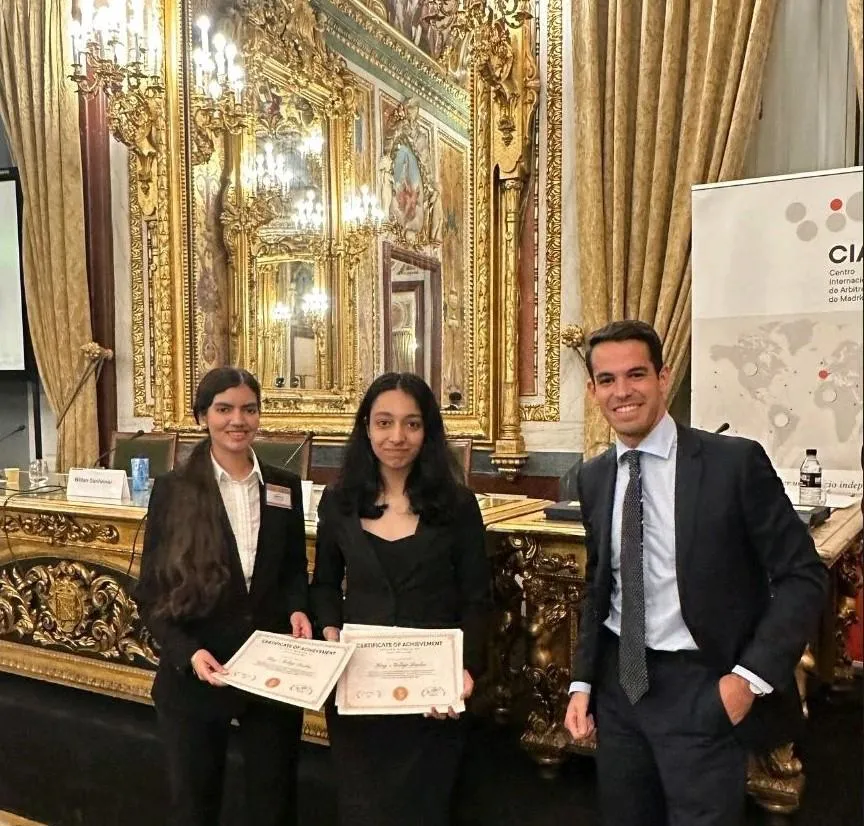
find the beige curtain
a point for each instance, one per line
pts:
(856, 33)
(39, 108)
(666, 97)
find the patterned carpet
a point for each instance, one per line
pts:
(75, 759)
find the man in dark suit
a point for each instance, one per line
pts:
(702, 587)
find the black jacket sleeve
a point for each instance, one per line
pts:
(798, 577)
(175, 642)
(582, 669)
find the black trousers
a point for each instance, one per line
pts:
(196, 748)
(671, 759)
(395, 771)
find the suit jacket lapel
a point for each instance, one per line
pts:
(271, 535)
(266, 556)
(688, 478)
(605, 502)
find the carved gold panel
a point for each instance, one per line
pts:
(67, 614)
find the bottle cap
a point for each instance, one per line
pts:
(811, 451)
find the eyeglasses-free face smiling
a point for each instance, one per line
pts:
(395, 429)
(232, 420)
(629, 390)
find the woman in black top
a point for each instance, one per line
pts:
(408, 540)
(224, 554)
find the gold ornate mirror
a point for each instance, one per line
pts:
(288, 169)
(340, 194)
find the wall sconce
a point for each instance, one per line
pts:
(281, 312)
(315, 304)
(308, 215)
(363, 219)
(311, 144)
(362, 212)
(112, 53)
(272, 173)
(121, 56)
(218, 100)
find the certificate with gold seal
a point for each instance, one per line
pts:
(285, 668)
(401, 671)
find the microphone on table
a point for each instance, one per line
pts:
(12, 432)
(299, 447)
(723, 428)
(114, 447)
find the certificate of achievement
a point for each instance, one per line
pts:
(285, 668)
(401, 671)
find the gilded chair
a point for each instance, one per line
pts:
(461, 450)
(289, 450)
(159, 448)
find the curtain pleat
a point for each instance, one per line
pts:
(39, 109)
(666, 97)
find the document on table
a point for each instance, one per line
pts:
(401, 670)
(284, 668)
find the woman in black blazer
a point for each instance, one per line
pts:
(408, 541)
(224, 554)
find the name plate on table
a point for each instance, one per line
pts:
(97, 483)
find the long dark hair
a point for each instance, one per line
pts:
(192, 569)
(432, 486)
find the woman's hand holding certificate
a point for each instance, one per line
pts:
(401, 671)
(280, 667)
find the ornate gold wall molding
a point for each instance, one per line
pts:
(492, 105)
(141, 375)
(505, 59)
(549, 410)
(422, 76)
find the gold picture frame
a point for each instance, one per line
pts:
(500, 99)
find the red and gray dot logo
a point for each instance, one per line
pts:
(838, 214)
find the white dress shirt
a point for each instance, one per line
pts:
(665, 629)
(243, 503)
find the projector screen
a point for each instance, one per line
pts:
(11, 305)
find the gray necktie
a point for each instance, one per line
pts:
(632, 668)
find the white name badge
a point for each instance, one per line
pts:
(97, 483)
(278, 496)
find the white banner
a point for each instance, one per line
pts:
(777, 318)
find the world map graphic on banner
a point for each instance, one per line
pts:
(797, 378)
(777, 335)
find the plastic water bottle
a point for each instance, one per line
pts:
(810, 485)
(140, 473)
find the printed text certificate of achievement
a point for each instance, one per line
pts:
(285, 668)
(401, 670)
